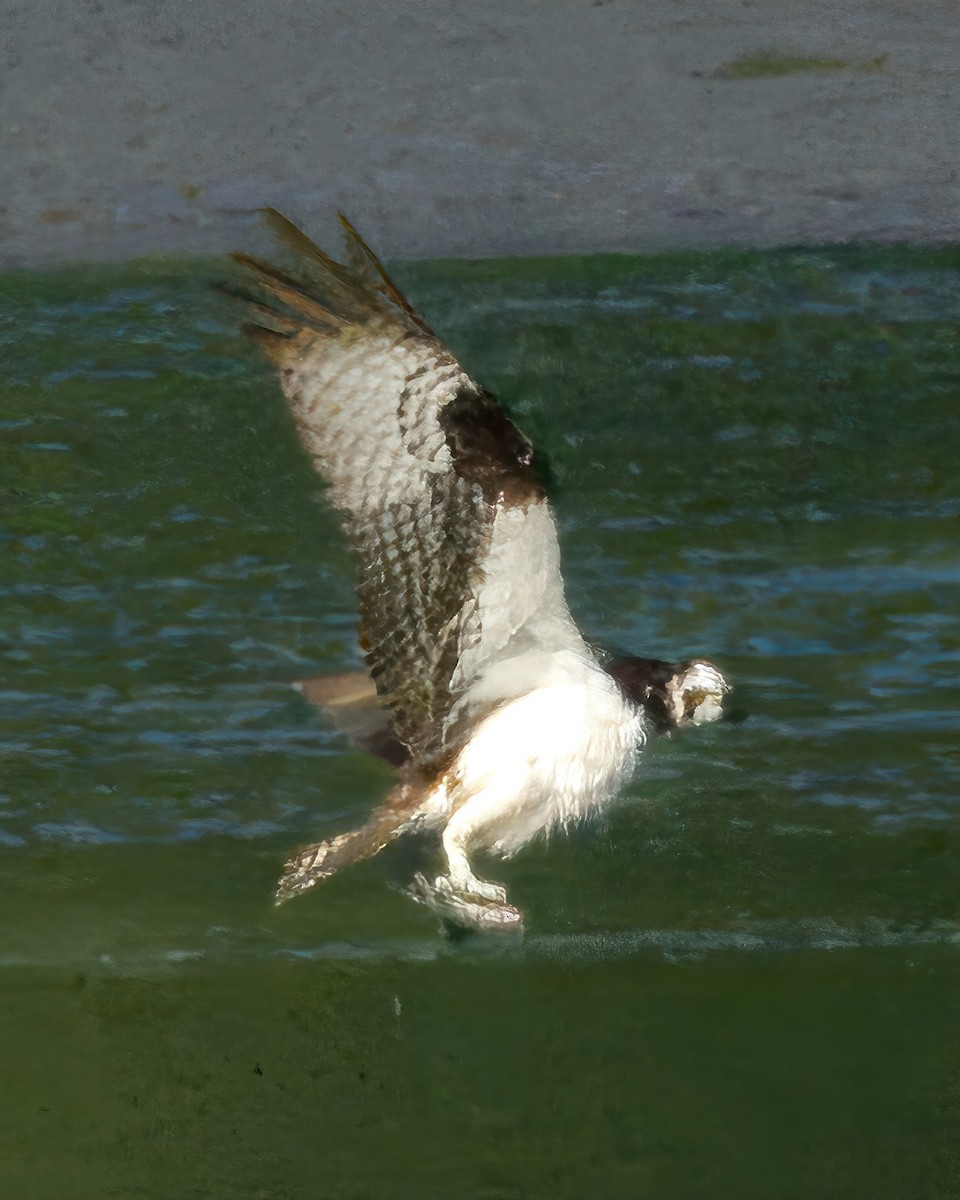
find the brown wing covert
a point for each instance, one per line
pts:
(418, 457)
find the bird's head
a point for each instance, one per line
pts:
(672, 695)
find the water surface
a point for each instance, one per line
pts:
(742, 984)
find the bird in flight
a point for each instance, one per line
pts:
(501, 721)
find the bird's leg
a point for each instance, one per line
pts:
(460, 875)
(466, 910)
(459, 896)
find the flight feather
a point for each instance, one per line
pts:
(422, 464)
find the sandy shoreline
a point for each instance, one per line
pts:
(502, 128)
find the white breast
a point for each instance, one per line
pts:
(548, 758)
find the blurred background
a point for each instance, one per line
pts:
(477, 129)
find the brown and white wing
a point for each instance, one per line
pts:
(422, 465)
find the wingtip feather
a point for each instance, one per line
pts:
(278, 347)
(362, 251)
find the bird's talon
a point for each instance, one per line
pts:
(479, 888)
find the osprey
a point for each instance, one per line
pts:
(502, 722)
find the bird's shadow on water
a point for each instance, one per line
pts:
(473, 943)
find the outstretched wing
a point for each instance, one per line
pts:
(422, 464)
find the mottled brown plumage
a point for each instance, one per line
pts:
(418, 524)
(500, 719)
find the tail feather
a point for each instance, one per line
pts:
(318, 861)
(349, 700)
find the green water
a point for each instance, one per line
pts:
(742, 985)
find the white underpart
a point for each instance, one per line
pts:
(548, 758)
(561, 738)
(522, 589)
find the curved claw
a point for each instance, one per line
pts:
(469, 910)
(474, 887)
